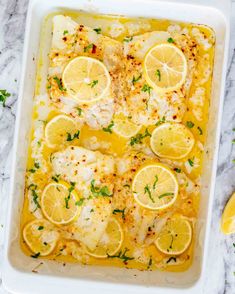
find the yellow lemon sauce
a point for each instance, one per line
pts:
(141, 252)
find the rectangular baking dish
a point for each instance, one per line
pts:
(54, 277)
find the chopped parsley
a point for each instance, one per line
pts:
(65, 32)
(55, 178)
(79, 111)
(97, 30)
(135, 80)
(33, 188)
(165, 194)
(191, 162)
(121, 255)
(72, 137)
(138, 139)
(3, 97)
(160, 121)
(155, 182)
(128, 39)
(109, 128)
(150, 262)
(200, 130)
(171, 258)
(36, 255)
(146, 88)
(147, 190)
(178, 170)
(122, 211)
(40, 228)
(66, 199)
(79, 202)
(36, 166)
(170, 40)
(93, 83)
(158, 74)
(59, 83)
(190, 124)
(97, 191)
(88, 47)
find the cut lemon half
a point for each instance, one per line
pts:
(228, 217)
(124, 127)
(172, 140)
(165, 67)
(110, 242)
(155, 186)
(86, 79)
(40, 236)
(59, 203)
(61, 129)
(175, 237)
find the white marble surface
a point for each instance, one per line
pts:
(220, 273)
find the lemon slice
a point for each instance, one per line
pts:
(40, 236)
(124, 127)
(61, 129)
(165, 67)
(155, 186)
(172, 140)
(175, 237)
(228, 217)
(86, 79)
(110, 242)
(59, 203)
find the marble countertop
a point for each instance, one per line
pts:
(220, 272)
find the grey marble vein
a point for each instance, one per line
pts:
(220, 277)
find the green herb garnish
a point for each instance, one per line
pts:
(139, 137)
(66, 199)
(160, 121)
(170, 40)
(97, 191)
(65, 32)
(109, 128)
(88, 47)
(72, 137)
(79, 202)
(178, 170)
(190, 124)
(55, 178)
(155, 182)
(158, 74)
(79, 111)
(165, 194)
(121, 255)
(200, 130)
(147, 190)
(98, 30)
(40, 228)
(3, 97)
(135, 80)
(191, 162)
(59, 83)
(93, 83)
(36, 255)
(122, 211)
(33, 188)
(150, 262)
(146, 88)
(171, 258)
(128, 39)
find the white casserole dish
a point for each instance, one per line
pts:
(53, 277)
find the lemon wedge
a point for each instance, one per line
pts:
(228, 217)
(124, 127)
(165, 67)
(61, 129)
(110, 242)
(86, 79)
(59, 203)
(40, 236)
(175, 237)
(172, 140)
(155, 186)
